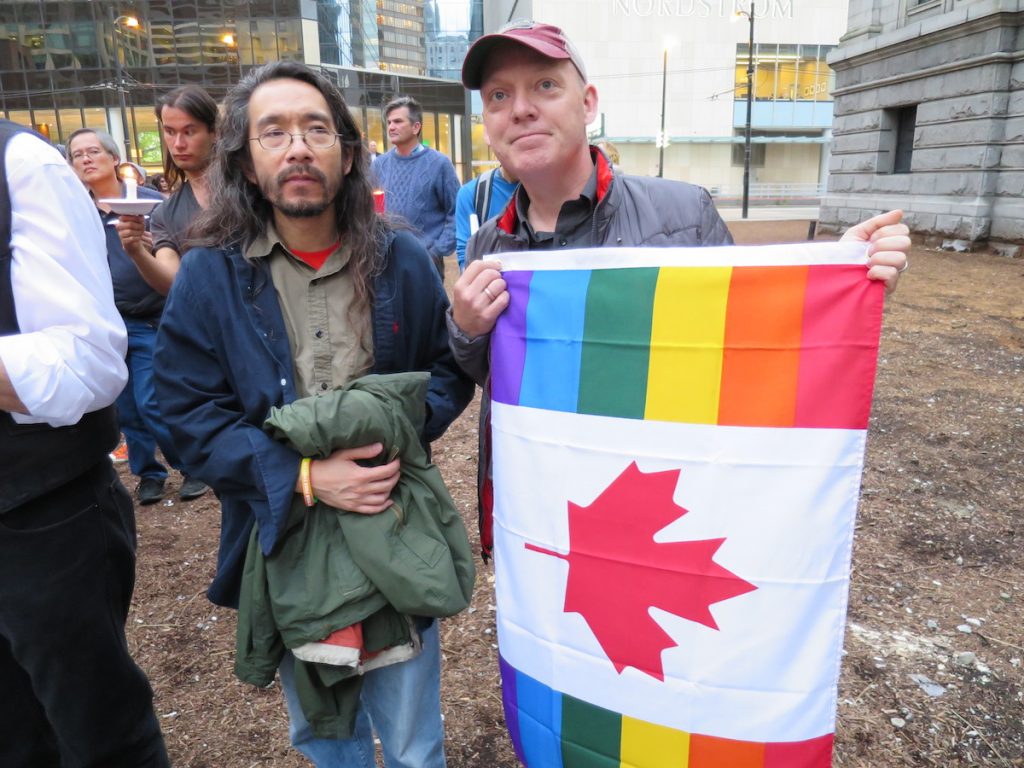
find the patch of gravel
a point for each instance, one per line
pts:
(938, 544)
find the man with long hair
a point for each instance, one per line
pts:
(187, 117)
(296, 287)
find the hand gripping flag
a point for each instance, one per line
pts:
(678, 442)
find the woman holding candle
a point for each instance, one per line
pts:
(94, 157)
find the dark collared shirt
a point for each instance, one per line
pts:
(574, 226)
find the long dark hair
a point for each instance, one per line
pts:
(238, 213)
(194, 101)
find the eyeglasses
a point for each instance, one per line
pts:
(315, 138)
(92, 152)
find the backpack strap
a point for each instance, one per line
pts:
(482, 196)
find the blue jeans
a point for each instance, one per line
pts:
(402, 702)
(137, 407)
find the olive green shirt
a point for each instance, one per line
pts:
(330, 347)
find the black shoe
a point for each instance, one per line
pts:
(192, 488)
(150, 490)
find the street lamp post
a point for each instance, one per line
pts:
(231, 43)
(661, 136)
(130, 21)
(750, 96)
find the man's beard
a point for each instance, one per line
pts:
(300, 209)
(307, 209)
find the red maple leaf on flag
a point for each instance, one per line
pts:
(617, 571)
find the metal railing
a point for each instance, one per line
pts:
(770, 194)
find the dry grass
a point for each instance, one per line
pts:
(939, 542)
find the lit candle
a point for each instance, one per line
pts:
(131, 189)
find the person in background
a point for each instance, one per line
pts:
(94, 156)
(419, 183)
(187, 118)
(610, 151)
(158, 182)
(372, 150)
(479, 200)
(70, 693)
(296, 287)
(130, 170)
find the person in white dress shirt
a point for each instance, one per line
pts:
(70, 690)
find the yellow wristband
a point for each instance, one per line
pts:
(306, 482)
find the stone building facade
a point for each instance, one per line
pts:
(929, 117)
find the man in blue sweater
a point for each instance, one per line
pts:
(419, 183)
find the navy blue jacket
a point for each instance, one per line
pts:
(133, 296)
(223, 360)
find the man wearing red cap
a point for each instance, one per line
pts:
(537, 104)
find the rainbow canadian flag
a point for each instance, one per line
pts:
(678, 442)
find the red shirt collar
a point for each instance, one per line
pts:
(510, 219)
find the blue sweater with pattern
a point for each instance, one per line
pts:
(421, 188)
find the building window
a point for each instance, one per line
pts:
(785, 72)
(906, 123)
(915, 10)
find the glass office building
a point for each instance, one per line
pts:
(69, 64)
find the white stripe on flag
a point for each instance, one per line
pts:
(792, 254)
(784, 500)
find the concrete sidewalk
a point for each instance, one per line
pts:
(771, 213)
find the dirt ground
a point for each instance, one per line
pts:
(932, 674)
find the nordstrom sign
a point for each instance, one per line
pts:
(702, 9)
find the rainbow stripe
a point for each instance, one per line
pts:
(553, 730)
(777, 346)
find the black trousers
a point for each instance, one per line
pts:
(70, 694)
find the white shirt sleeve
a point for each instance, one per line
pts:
(68, 359)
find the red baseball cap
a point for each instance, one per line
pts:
(545, 39)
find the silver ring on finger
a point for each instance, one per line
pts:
(903, 269)
(490, 295)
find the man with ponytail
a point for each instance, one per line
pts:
(298, 286)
